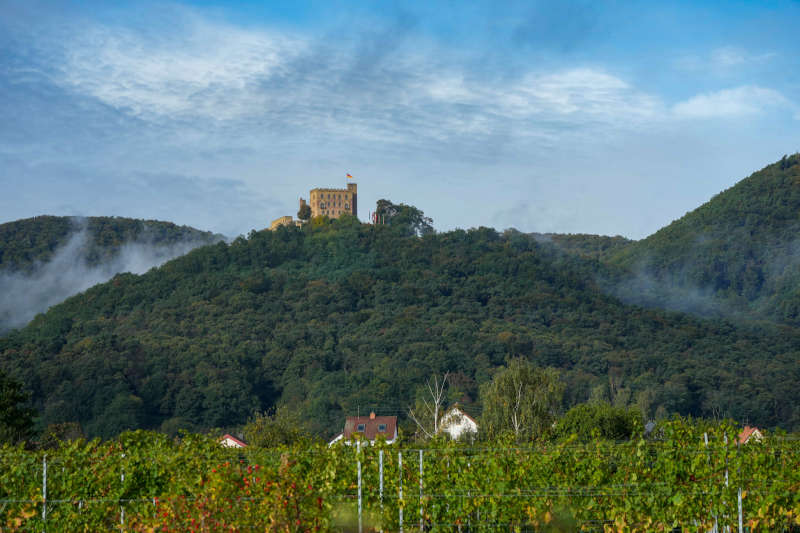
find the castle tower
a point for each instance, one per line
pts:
(334, 202)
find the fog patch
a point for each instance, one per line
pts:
(24, 295)
(643, 288)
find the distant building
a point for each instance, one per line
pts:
(456, 423)
(283, 221)
(750, 433)
(229, 441)
(369, 428)
(333, 202)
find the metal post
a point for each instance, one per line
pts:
(421, 526)
(741, 529)
(380, 481)
(714, 529)
(400, 500)
(121, 505)
(739, 475)
(727, 526)
(44, 488)
(358, 456)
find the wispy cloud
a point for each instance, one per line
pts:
(214, 73)
(725, 60)
(736, 102)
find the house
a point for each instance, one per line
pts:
(750, 433)
(456, 423)
(369, 428)
(229, 441)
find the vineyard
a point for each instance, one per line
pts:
(688, 476)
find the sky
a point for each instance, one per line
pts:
(611, 117)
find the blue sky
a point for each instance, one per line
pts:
(579, 117)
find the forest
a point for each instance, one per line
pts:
(340, 316)
(26, 243)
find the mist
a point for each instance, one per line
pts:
(68, 273)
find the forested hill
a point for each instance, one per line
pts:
(339, 316)
(45, 259)
(738, 255)
(26, 243)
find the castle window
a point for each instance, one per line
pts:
(346, 205)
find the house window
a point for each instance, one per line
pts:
(360, 428)
(382, 427)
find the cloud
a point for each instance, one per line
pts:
(724, 61)
(370, 89)
(736, 102)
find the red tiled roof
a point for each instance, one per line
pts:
(233, 439)
(746, 433)
(370, 426)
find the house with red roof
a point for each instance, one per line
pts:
(750, 433)
(229, 441)
(368, 428)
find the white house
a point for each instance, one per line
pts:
(456, 423)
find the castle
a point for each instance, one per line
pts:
(332, 203)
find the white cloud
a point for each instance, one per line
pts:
(212, 73)
(735, 102)
(723, 61)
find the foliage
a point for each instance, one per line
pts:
(340, 316)
(25, 243)
(599, 420)
(521, 399)
(16, 419)
(304, 213)
(408, 219)
(148, 482)
(279, 427)
(734, 256)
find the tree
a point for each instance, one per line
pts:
(407, 218)
(599, 420)
(274, 428)
(522, 399)
(304, 213)
(429, 409)
(16, 420)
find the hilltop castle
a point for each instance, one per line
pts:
(332, 203)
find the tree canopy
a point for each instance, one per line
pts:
(521, 399)
(406, 218)
(16, 419)
(337, 316)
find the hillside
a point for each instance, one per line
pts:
(31, 241)
(343, 316)
(45, 259)
(738, 255)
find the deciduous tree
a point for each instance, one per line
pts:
(522, 399)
